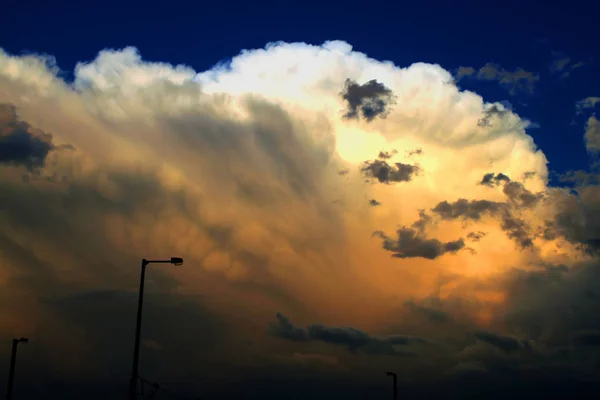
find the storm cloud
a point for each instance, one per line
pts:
(254, 173)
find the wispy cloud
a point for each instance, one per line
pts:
(563, 64)
(517, 81)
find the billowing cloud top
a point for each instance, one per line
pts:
(237, 170)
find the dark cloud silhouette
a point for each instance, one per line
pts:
(418, 152)
(476, 236)
(505, 343)
(374, 203)
(517, 230)
(21, 144)
(386, 155)
(422, 222)
(578, 217)
(410, 244)
(386, 173)
(474, 210)
(521, 197)
(286, 330)
(514, 191)
(369, 100)
(492, 179)
(351, 338)
(467, 209)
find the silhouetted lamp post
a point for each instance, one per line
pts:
(136, 349)
(395, 377)
(13, 361)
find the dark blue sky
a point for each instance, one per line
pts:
(510, 33)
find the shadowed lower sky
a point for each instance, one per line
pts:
(339, 217)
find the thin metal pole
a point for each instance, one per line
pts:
(11, 373)
(138, 327)
(395, 378)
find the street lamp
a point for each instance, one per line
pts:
(395, 377)
(136, 349)
(13, 361)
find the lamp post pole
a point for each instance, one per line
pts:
(138, 327)
(395, 379)
(13, 362)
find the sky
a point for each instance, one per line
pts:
(407, 188)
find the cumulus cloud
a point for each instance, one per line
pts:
(254, 173)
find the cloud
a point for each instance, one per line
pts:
(516, 81)
(417, 151)
(519, 198)
(494, 180)
(467, 209)
(579, 177)
(251, 172)
(476, 236)
(286, 330)
(559, 64)
(504, 343)
(587, 103)
(370, 99)
(464, 71)
(409, 244)
(592, 135)
(20, 144)
(494, 110)
(563, 64)
(386, 155)
(374, 203)
(386, 173)
(351, 338)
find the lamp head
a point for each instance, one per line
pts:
(24, 340)
(177, 261)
